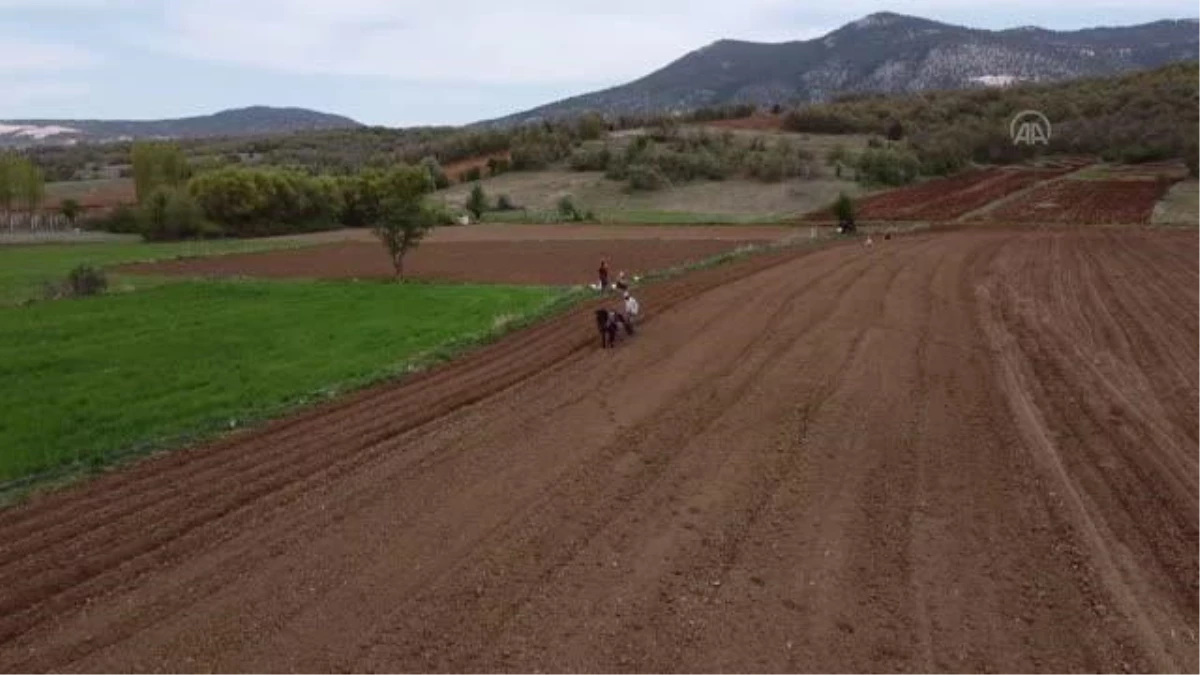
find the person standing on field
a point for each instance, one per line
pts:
(631, 307)
(603, 275)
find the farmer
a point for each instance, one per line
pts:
(603, 275)
(631, 310)
(622, 284)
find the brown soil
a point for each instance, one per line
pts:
(968, 451)
(531, 262)
(454, 170)
(572, 232)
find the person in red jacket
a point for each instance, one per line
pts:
(603, 275)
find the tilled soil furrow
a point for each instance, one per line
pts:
(256, 477)
(903, 457)
(495, 369)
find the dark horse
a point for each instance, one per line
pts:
(609, 323)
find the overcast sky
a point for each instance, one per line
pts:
(401, 62)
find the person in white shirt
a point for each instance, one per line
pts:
(631, 307)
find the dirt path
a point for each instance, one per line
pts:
(968, 451)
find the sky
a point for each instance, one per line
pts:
(406, 63)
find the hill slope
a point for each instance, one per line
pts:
(255, 120)
(887, 53)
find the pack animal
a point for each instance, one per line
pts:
(608, 325)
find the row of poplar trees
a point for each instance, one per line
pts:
(22, 190)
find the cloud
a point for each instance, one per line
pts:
(19, 55)
(15, 94)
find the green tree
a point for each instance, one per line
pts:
(498, 165)
(591, 126)
(33, 188)
(157, 164)
(70, 210)
(9, 182)
(431, 165)
(477, 203)
(155, 223)
(404, 219)
(843, 208)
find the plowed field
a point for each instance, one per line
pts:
(1085, 202)
(944, 199)
(947, 198)
(960, 452)
(541, 262)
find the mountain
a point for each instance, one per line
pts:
(257, 120)
(885, 53)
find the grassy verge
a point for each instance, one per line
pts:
(25, 269)
(92, 380)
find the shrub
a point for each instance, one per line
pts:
(843, 208)
(70, 210)
(477, 202)
(821, 120)
(171, 214)
(82, 281)
(647, 178)
(186, 217)
(439, 215)
(567, 209)
(590, 159)
(837, 155)
(505, 203)
(122, 220)
(434, 169)
(498, 165)
(152, 215)
(887, 167)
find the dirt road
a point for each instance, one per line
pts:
(963, 451)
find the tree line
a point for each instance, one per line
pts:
(240, 201)
(667, 154)
(22, 188)
(1146, 116)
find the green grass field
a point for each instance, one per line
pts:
(89, 380)
(24, 269)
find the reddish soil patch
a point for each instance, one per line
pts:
(455, 170)
(945, 199)
(964, 452)
(96, 199)
(1085, 202)
(540, 262)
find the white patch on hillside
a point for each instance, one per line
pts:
(995, 80)
(34, 131)
(879, 19)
